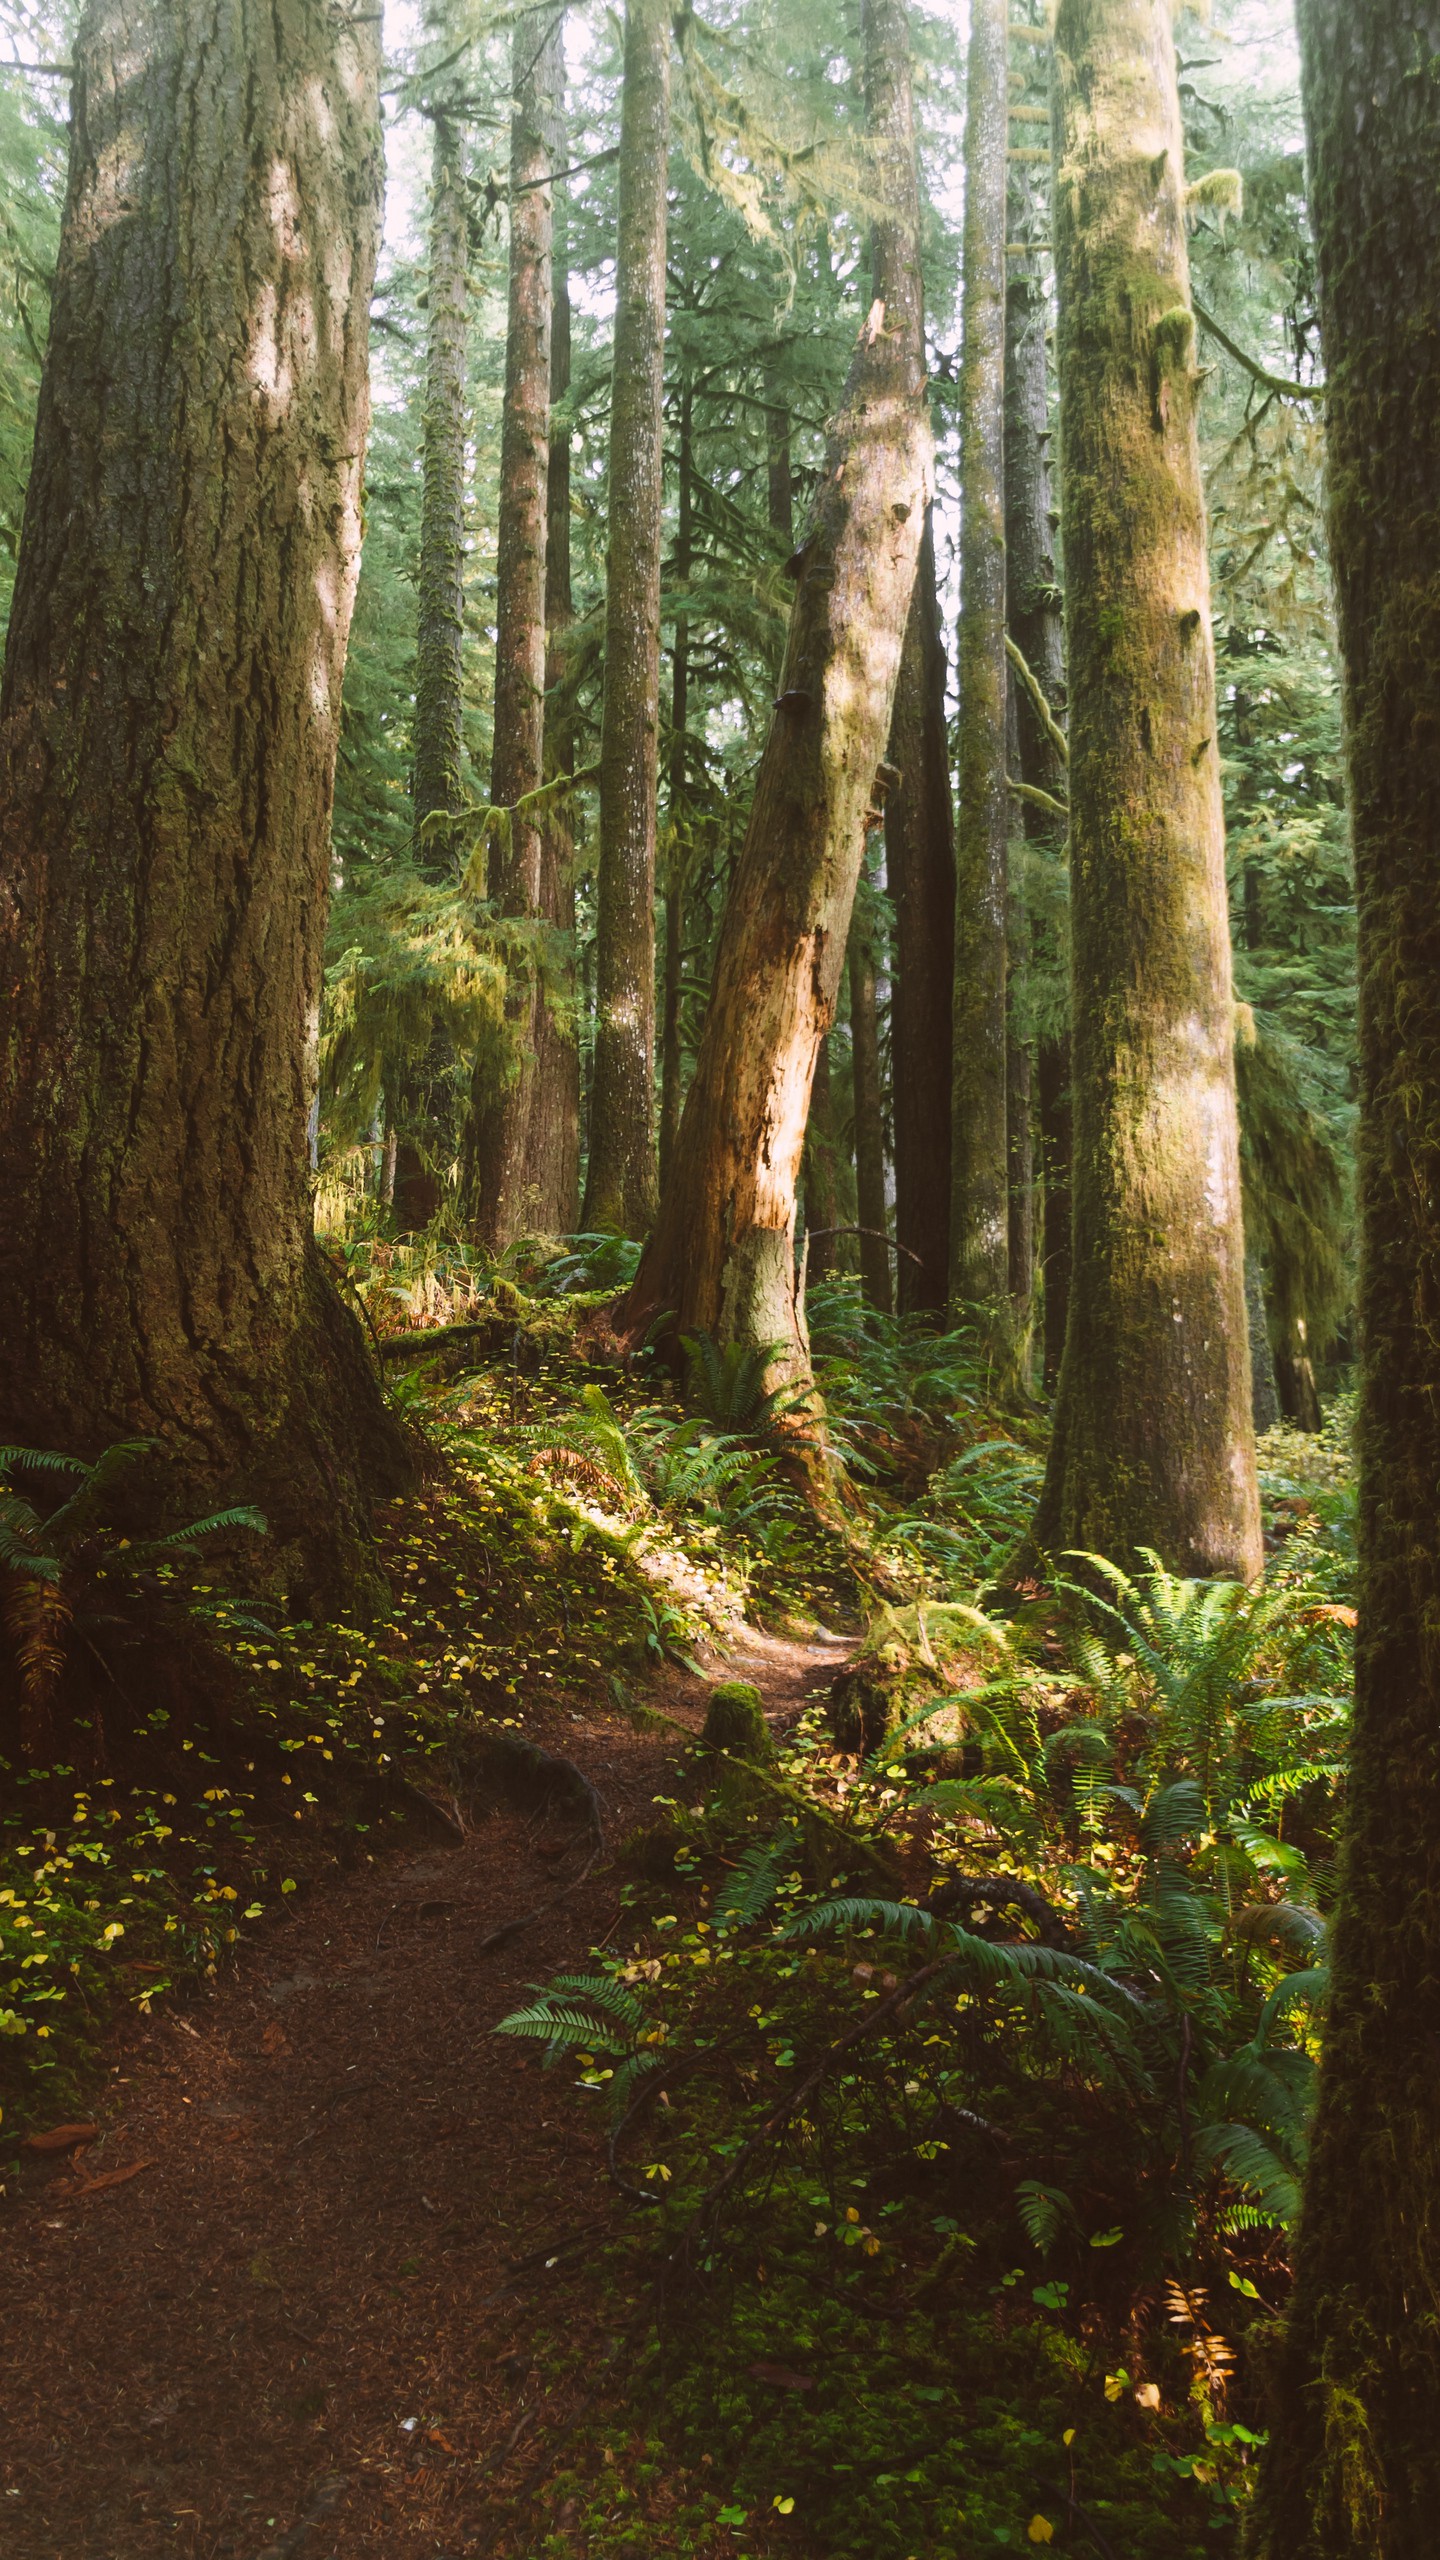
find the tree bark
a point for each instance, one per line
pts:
(555, 1111)
(822, 1197)
(1153, 1443)
(1354, 2461)
(722, 1254)
(437, 788)
(1295, 1378)
(501, 1173)
(1032, 608)
(1353, 2469)
(671, 1054)
(168, 724)
(620, 1186)
(1052, 1077)
(920, 867)
(1264, 1398)
(980, 1240)
(869, 1112)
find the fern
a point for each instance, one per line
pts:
(747, 1894)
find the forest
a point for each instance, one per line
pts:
(719, 1279)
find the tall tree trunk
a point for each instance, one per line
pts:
(1264, 1398)
(620, 1187)
(920, 867)
(500, 1169)
(436, 789)
(1353, 2470)
(869, 1111)
(1052, 1079)
(671, 1059)
(1032, 606)
(1153, 1443)
(1019, 1114)
(555, 1108)
(822, 1198)
(1295, 1377)
(168, 724)
(722, 1254)
(980, 1237)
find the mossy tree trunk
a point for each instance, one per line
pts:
(1353, 2469)
(1153, 1442)
(437, 787)
(620, 1181)
(980, 1222)
(555, 1104)
(501, 1170)
(671, 1053)
(722, 1252)
(1033, 617)
(920, 868)
(168, 726)
(1053, 1110)
(869, 1108)
(822, 1197)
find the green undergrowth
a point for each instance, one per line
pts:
(960, 2203)
(181, 1811)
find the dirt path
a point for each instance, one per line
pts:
(301, 2327)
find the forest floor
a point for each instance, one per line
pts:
(331, 2281)
(872, 2146)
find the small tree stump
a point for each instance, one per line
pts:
(735, 1721)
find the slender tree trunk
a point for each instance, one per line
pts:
(1153, 1443)
(722, 1254)
(920, 866)
(437, 789)
(1034, 620)
(1052, 1077)
(822, 1198)
(500, 1169)
(555, 1110)
(168, 725)
(1353, 2470)
(671, 1059)
(1295, 1378)
(980, 1240)
(869, 1112)
(1264, 1398)
(620, 1189)
(1019, 1115)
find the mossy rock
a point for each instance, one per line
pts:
(735, 1721)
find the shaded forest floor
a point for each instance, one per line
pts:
(895, 2128)
(332, 2279)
